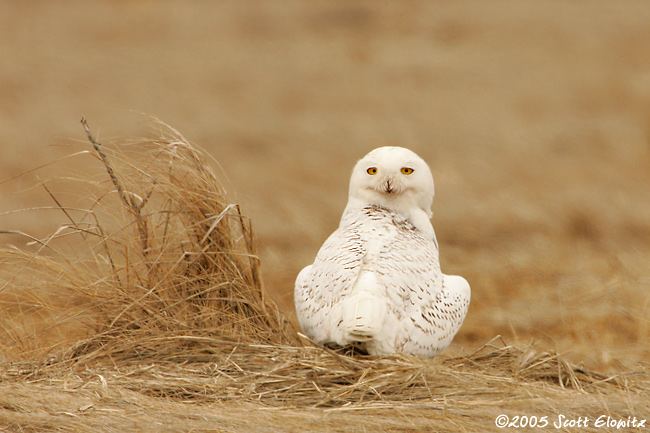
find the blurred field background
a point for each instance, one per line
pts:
(534, 117)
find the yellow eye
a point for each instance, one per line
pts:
(372, 170)
(407, 170)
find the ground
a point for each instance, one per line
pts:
(534, 117)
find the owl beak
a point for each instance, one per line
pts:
(389, 188)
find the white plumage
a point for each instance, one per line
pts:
(376, 282)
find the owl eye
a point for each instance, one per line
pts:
(407, 170)
(372, 170)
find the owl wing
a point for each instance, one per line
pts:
(329, 279)
(408, 270)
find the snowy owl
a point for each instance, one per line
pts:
(376, 281)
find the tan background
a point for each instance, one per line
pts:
(534, 117)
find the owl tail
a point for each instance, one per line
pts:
(363, 312)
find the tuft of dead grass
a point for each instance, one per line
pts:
(160, 251)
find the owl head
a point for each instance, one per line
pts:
(394, 178)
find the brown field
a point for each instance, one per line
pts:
(534, 117)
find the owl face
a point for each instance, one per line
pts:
(392, 177)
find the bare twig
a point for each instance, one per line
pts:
(130, 202)
(107, 164)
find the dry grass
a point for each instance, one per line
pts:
(162, 252)
(156, 313)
